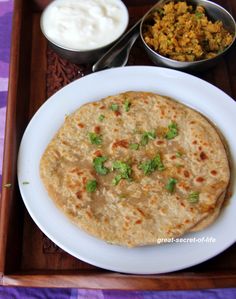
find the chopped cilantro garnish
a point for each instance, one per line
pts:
(127, 105)
(91, 186)
(157, 161)
(147, 167)
(160, 11)
(198, 14)
(172, 131)
(151, 165)
(117, 179)
(146, 136)
(144, 139)
(179, 154)
(114, 107)
(94, 138)
(101, 117)
(124, 169)
(193, 197)
(134, 146)
(99, 167)
(170, 186)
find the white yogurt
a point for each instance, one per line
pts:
(84, 24)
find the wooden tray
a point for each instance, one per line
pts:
(27, 256)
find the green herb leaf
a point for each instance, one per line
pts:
(114, 107)
(146, 136)
(157, 161)
(95, 139)
(144, 140)
(91, 186)
(193, 197)
(151, 165)
(160, 11)
(99, 167)
(117, 179)
(179, 154)
(147, 167)
(198, 14)
(101, 117)
(25, 183)
(172, 131)
(127, 105)
(170, 186)
(124, 169)
(134, 146)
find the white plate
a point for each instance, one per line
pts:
(188, 89)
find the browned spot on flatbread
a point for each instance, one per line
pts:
(117, 113)
(89, 214)
(203, 156)
(97, 153)
(186, 174)
(214, 172)
(159, 142)
(65, 142)
(81, 125)
(120, 143)
(97, 129)
(200, 179)
(141, 212)
(79, 194)
(84, 180)
(77, 171)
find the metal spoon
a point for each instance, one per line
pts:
(118, 54)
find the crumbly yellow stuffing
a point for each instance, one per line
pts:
(184, 33)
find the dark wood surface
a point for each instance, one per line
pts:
(27, 256)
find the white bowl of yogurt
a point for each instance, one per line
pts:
(82, 30)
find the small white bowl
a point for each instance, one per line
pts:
(57, 16)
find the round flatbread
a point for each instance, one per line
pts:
(137, 167)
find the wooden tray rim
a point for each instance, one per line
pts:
(84, 279)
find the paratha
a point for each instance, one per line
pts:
(137, 167)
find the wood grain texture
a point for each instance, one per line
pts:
(8, 199)
(27, 256)
(116, 281)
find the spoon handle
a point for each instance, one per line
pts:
(125, 43)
